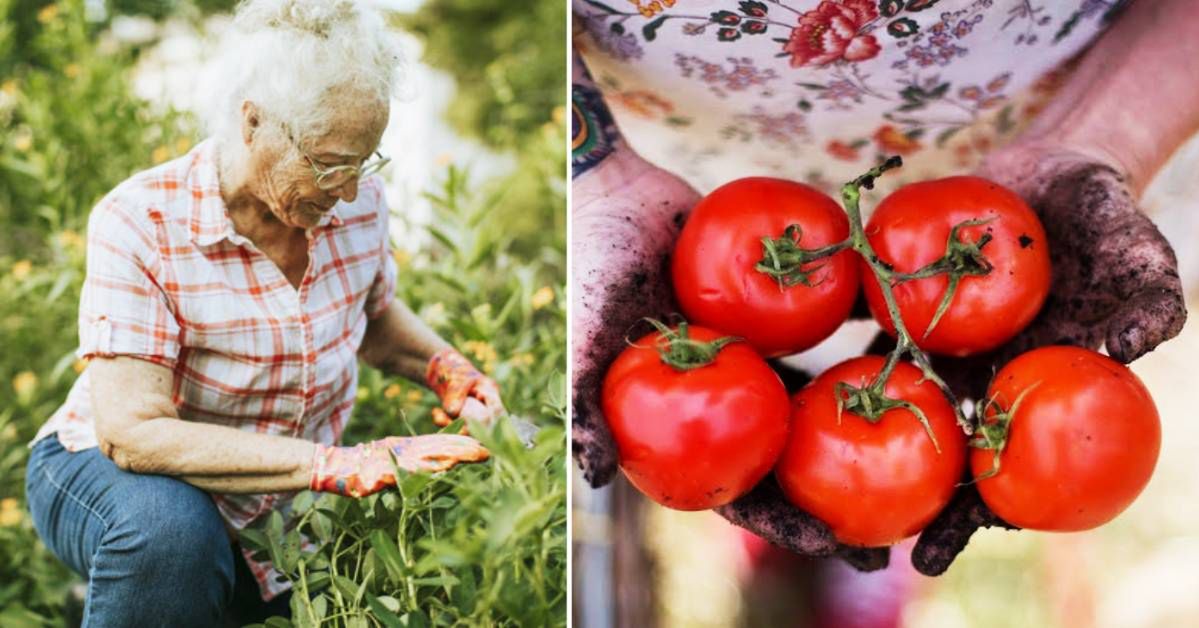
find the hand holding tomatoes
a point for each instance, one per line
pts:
(625, 217)
(1115, 283)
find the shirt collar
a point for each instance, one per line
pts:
(210, 222)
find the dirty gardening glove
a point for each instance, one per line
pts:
(464, 391)
(368, 468)
(1115, 282)
(626, 217)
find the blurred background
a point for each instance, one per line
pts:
(637, 564)
(92, 91)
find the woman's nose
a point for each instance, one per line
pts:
(347, 191)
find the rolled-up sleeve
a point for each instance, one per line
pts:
(383, 288)
(123, 309)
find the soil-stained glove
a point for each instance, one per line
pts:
(1115, 282)
(368, 468)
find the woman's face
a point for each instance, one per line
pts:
(284, 178)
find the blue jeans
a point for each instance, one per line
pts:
(153, 548)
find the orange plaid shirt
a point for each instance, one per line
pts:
(170, 281)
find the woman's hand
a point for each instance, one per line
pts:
(464, 391)
(625, 219)
(368, 468)
(1115, 283)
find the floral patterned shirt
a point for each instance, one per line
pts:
(817, 90)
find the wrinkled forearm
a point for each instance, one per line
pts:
(1134, 97)
(400, 343)
(212, 457)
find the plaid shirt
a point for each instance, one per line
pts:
(168, 280)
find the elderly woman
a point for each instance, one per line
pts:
(229, 295)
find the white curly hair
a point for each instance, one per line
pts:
(293, 58)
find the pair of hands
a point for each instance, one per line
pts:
(367, 468)
(1115, 282)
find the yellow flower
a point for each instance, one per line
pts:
(21, 269)
(10, 512)
(392, 391)
(71, 71)
(48, 13)
(70, 239)
(523, 359)
(402, 258)
(79, 365)
(23, 142)
(483, 351)
(160, 154)
(363, 393)
(182, 145)
(543, 297)
(9, 87)
(24, 383)
(413, 396)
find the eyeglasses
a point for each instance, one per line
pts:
(330, 177)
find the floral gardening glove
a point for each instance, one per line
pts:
(1115, 282)
(456, 381)
(368, 468)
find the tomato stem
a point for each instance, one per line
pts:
(960, 259)
(784, 260)
(993, 429)
(682, 353)
(851, 194)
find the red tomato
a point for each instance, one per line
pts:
(878, 483)
(713, 265)
(1081, 445)
(698, 438)
(909, 230)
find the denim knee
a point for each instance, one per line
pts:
(171, 542)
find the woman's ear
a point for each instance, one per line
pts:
(250, 119)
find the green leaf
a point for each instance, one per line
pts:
(387, 551)
(278, 622)
(320, 524)
(253, 539)
(416, 619)
(444, 501)
(650, 30)
(383, 613)
(348, 588)
(318, 580)
(302, 503)
(445, 580)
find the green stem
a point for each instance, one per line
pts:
(683, 353)
(784, 260)
(851, 194)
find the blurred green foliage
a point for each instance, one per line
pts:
(492, 284)
(509, 59)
